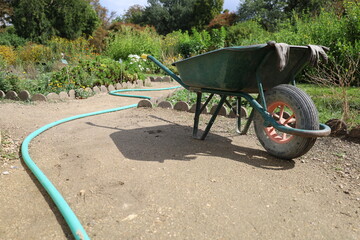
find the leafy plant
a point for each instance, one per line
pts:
(9, 81)
(8, 54)
(131, 41)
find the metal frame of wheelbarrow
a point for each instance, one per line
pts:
(323, 131)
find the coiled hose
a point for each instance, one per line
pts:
(73, 222)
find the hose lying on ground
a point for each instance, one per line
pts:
(73, 222)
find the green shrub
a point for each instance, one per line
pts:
(37, 85)
(218, 37)
(130, 41)
(73, 50)
(9, 81)
(247, 33)
(34, 53)
(11, 39)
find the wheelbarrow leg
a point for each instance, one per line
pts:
(212, 119)
(251, 117)
(247, 125)
(238, 114)
(197, 114)
(198, 110)
(237, 111)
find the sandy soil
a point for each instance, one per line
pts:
(138, 174)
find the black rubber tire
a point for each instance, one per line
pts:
(306, 117)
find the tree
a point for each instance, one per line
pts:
(38, 20)
(307, 6)
(205, 10)
(267, 12)
(102, 13)
(170, 15)
(134, 14)
(225, 19)
(270, 12)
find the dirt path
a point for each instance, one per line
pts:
(138, 174)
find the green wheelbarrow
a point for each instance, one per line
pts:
(285, 118)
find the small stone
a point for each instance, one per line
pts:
(82, 192)
(152, 79)
(130, 84)
(147, 82)
(139, 83)
(338, 127)
(222, 112)
(52, 96)
(72, 94)
(158, 79)
(355, 132)
(118, 86)
(5, 173)
(96, 90)
(38, 97)
(165, 104)
(24, 95)
(103, 89)
(89, 90)
(181, 106)
(166, 79)
(2, 94)
(63, 95)
(111, 88)
(193, 109)
(130, 217)
(11, 95)
(145, 103)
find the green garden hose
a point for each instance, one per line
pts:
(73, 222)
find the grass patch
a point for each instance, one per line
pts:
(328, 101)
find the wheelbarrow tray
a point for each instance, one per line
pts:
(236, 69)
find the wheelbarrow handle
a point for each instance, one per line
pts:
(167, 70)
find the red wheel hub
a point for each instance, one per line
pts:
(285, 116)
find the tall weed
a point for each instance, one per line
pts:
(130, 41)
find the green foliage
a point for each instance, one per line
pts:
(73, 50)
(39, 20)
(130, 41)
(204, 11)
(198, 42)
(270, 13)
(38, 85)
(134, 14)
(247, 33)
(173, 15)
(9, 81)
(87, 73)
(11, 39)
(190, 98)
(168, 15)
(267, 12)
(218, 37)
(328, 101)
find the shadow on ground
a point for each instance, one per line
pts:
(174, 142)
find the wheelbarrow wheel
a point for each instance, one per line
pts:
(290, 107)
